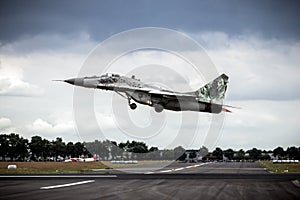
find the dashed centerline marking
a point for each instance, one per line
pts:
(189, 166)
(164, 171)
(66, 185)
(178, 169)
(149, 172)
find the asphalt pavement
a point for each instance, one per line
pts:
(176, 181)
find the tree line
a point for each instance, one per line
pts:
(291, 153)
(16, 148)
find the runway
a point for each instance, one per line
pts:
(210, 181)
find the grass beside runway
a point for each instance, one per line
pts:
(69, 167)
(49, 167)
(281, 167)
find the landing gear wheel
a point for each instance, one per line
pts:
(158, 108)
(132, 106)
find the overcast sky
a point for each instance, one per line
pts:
(256, 43)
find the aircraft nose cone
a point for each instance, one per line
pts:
(71, 81)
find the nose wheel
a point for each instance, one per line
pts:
(132, 106)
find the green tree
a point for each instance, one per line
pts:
(137, 147)
(124, 145)
(292, 152)
(12, 143)
(70, 149)
(115, 150)
(240, 155)
(279, 152)
(36, 147)
(58, 148)
(218, 153)
(254, 153)
(22, 149)
(134, 146)
(229, 153)
(79, 149)
(153, 149)
(4, 146)
(46, 149)
(265, 155)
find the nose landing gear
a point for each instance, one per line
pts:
(132, 106)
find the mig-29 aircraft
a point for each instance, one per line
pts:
(208, 98)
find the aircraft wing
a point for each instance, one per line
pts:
(170, 94)
(152, 91)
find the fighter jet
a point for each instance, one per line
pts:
(208, 98)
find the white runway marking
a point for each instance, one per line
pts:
(178, 169)
(66, 185)
(149, 172)
(189, 166)
(164, 171)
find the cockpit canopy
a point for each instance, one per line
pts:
(110, 75)
(109, 78)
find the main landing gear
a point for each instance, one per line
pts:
(131, 105)
(158, 108)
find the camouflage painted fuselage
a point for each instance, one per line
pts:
(206, 99)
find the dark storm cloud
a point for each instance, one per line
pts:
(100, 19)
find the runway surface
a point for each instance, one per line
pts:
(177, 181)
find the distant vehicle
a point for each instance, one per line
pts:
(93, 159)
(208, 98)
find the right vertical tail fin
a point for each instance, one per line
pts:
(214, 91)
